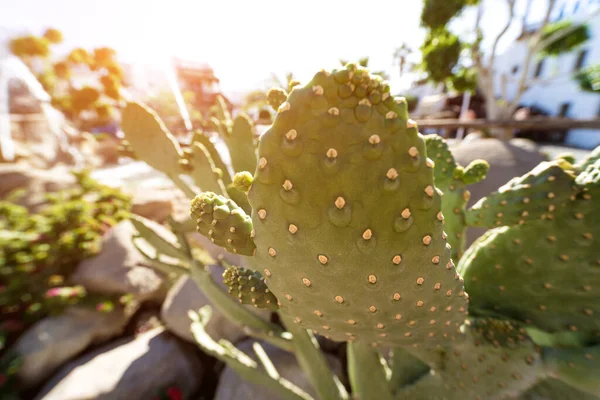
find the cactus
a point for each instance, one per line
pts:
(452, 180)
(238, 134)
(345, 232)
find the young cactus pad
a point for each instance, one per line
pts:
(348, 223)
(452, 180)
(223, 222)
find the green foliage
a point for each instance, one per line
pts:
(576, 36)
(441, 51)
(54, 36)
(589, 79)
(437, 13)
(465, 80)
(39, 251)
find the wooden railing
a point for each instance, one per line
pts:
(537, 124)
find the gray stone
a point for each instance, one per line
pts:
(55, 340)
(152, 203)
(507, 160)
(36, 182)
(185, 295)
(233, 387)
(120, 268)
(129, 369)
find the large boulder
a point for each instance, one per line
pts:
(54, 340)
(120, 268)
(37, 182)
(233, 387)
(141, 368)
(507, 160)
(184, 296)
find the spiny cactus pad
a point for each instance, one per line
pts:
(200, 167)
(530, 197)
(348, 224)
(150, 139)
(452, 179)
(249, 287)
(238, 134)
(545, 272)
(223, 222)
(200, 137)
(495, 361)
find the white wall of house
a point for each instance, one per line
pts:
(555, 90)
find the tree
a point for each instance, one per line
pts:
(464, 66)
(401, 55)
(589, 79)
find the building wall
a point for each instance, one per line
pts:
(556, 90)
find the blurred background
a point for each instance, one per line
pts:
(512, 81)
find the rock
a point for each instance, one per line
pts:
(152, 203)
(185, 295)
(507, 160)
(233, 387)
(55, 340)
(129, 369)
(36, 182)
(120, 268)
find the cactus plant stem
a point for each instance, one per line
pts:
(406, 369)
(239, 361)
(314, 363)
(237, 313)
(367, 372)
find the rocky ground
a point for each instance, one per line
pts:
(147, 351)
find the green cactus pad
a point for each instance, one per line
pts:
(200, 137)
(202, 170)
(348, 225)
(494, 360)
(249, 288)
(223, 222)
(452, 179)
(150, 139)
(578, 367)
(238, 134)
(533, 196)
(545, 272)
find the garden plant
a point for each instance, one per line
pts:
(351, 226)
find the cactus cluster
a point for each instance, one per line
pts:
(349, 228)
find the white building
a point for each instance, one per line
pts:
(554, 89)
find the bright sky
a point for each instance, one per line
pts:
(243, 40)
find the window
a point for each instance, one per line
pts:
(539, 69)
(564, 110)
(580, 62)
(515, 69)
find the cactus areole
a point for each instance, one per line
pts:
(343, 191)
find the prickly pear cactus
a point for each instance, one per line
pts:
(249, 287)
(496, 360)
(545, 270)
(224, 223)
(150, 139)
(452, 180)
(348, 223)
(238, 134)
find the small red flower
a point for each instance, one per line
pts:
(174, 393)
